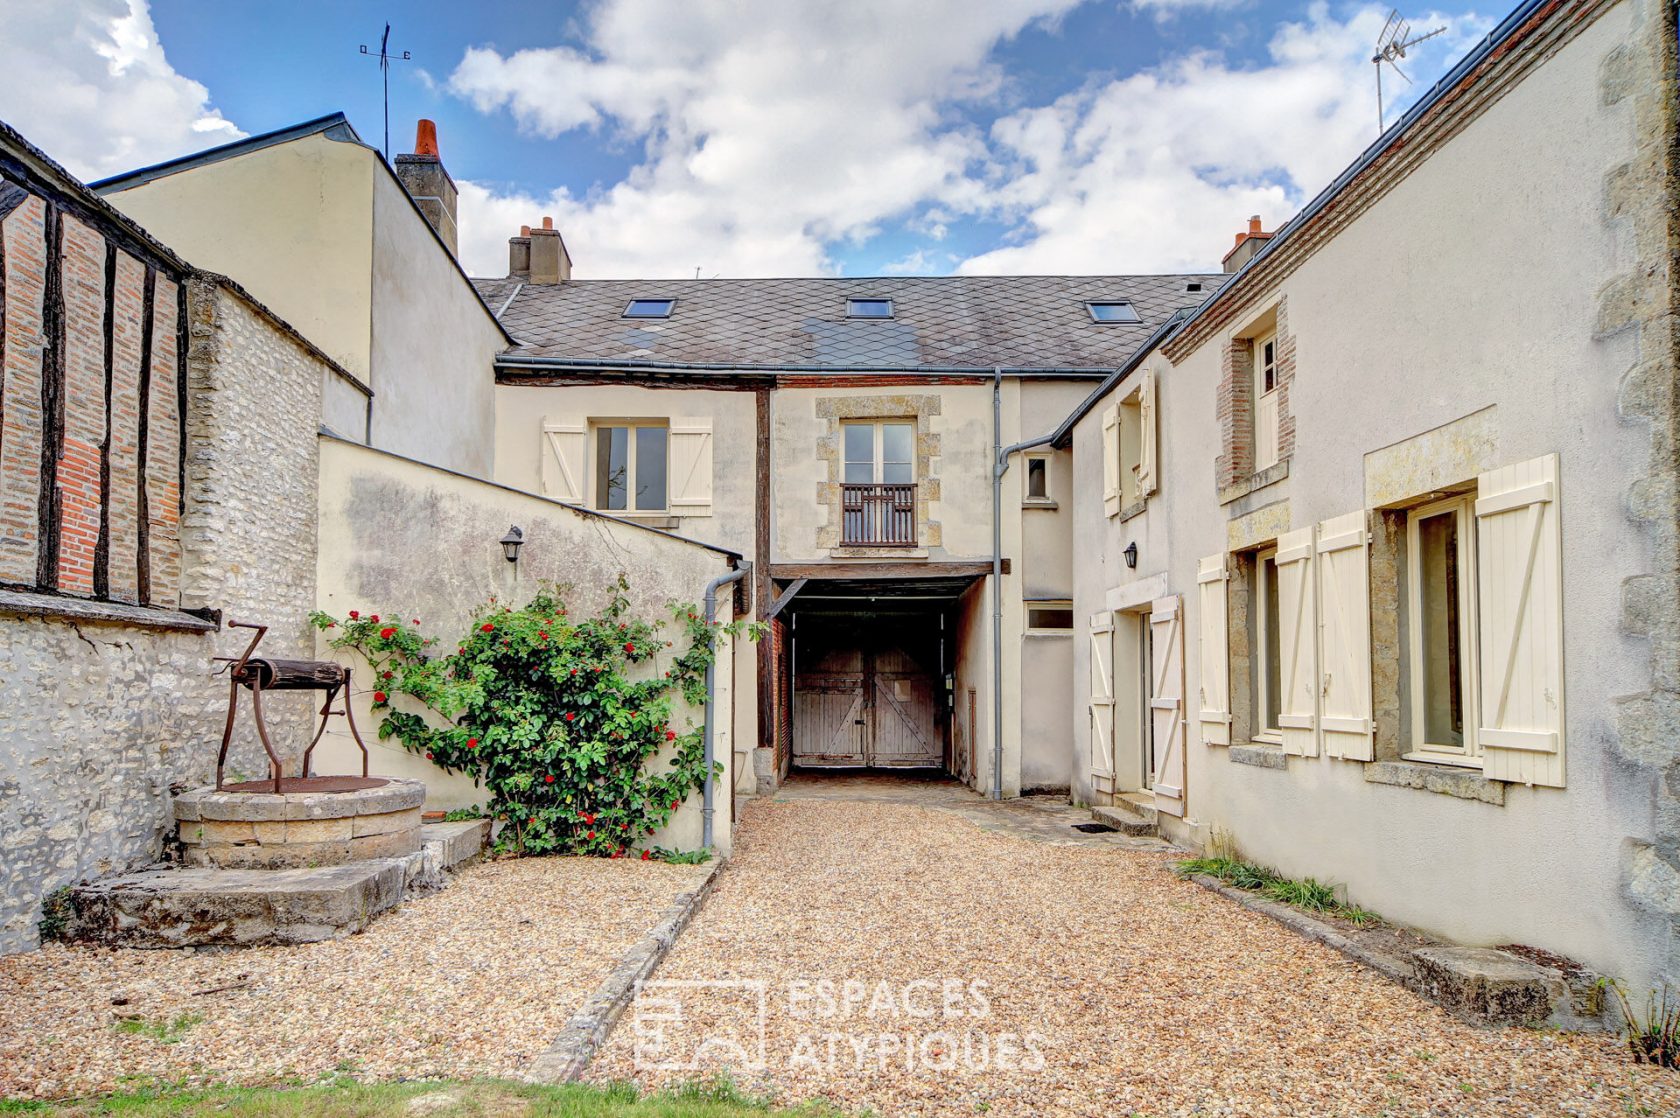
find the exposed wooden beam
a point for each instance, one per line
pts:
(785, 597)
(789, 571)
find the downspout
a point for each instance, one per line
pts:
(1000, 465)
(711, 696)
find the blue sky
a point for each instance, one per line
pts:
(762, 137)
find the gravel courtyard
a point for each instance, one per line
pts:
(1143, 994)
(471, 981)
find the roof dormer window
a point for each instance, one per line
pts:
(869, 308)
(1116, 311)
(649, 308)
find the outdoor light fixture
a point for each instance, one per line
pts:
(511, 543)
(1130, 553)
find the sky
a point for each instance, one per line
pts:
(675, 138)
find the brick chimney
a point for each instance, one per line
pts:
(539, 255)
(1248, 243)
(422, 175)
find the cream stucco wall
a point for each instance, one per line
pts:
(415, 541)
(1473, 286)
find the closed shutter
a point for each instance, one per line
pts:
(1519, 548)
(1213, 651)
(1297, 646)
(1344, 603)
(565, 447)
(1166, 702)
(1102, 702)
(1146, 435)
(1111, 460)
(691, 467)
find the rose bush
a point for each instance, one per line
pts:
(559, 719)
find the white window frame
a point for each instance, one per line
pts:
(1469, 754)
(1266, 402)
(1049, 603)
(1047, 499)
(594, 490)
(878, 467)
(1266, 735)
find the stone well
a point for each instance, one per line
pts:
(262, 830)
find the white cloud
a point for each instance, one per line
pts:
(87, 82)
(1166, 9)
(1155, 171)
(769, 131)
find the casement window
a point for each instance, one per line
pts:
(632, 466)
(1441, 603)
(878, 484)
(879, 453)
(1268, 673)
(1050, 617)
(1265, 400)
(1129, 447)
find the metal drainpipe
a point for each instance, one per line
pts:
(711, 696)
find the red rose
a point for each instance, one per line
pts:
(544, 636)
(533, 822)
(354, 615)
(389, 675)
(674, 804)
(646, 856)
(460, 652)
(590, 818)
(570, 716)
(472, 743)
(590, 835)
(416, 621)
(374, 619)
(428, 755)
(387, 633)
(548, 779)
(574, 671)
(380, 696)
(629, 646)
(670, 735)
(487, 627)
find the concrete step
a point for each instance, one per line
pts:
(1132, 813)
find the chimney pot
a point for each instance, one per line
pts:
(548, 223)
(1254, 225)
(425, 139)
(524, 230)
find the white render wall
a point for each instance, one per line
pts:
(1474, 284)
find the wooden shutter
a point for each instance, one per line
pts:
(1344, 659)
(1297, 644)
(691, 467)
(1102, 702)
(1213, 648)
(565, 450)
(1111, 460)
(1519, 615)
(1166, 702)
(1146, 435)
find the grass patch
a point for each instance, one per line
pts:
(1307, 893)
(346, 1098)
(167, 1030)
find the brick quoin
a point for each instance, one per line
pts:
(163, 452)
(123, 516)
(84, 406)
(20, 426)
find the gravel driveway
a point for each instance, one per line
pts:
(1141, 993)
(471, 981)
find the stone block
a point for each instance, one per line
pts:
(457, 842)
(222, 831)
(264, 807)
(318, 830)
(363, 825)
(1484, 984)
(282, 856)
(397, 844)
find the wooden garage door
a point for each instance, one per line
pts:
(866, 706)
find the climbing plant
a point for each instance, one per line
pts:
(561, 719)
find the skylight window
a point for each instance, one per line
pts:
(1116, 311)
(649, 308)
(869, 308)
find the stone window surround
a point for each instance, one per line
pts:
(1234, 473)
(884, 407)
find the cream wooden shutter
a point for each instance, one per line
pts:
(1344, 659)
(1111, 460)
(1166, 702)
(1519, 614)
(1213, 649)
(1102, 702)
(691, 467)
(565, 450)
(1297, 646)
(1146, 435)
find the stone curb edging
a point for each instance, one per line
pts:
(1390, 966)
(565, 1060)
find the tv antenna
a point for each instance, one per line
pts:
(1396, 39)
(385, 59)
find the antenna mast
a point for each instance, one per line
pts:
(1396, 39)
(385, 59)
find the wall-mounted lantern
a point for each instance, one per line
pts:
(1131, 556)
(512, 542)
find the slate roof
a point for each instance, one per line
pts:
(967, 322)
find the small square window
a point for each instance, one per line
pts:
(1038, 479)
(869, 308)
(649, 308)
(1050, 617)
(1113, 312)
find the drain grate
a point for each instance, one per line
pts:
(1095, 828)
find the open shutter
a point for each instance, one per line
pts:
(1344, 603)
(1102, 702)
(1166, 702)
(1297, 646)
(564, 451)
(691, 467)
(1213, 651)
(1146, 435)
(1519, 548)
(1111, 460)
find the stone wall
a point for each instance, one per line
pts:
(104, 709)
